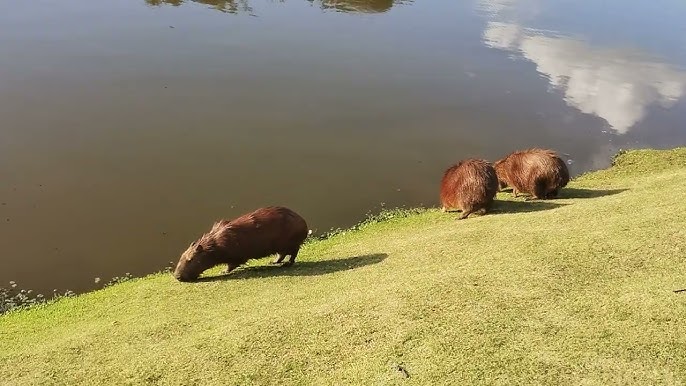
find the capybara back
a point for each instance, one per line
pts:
(538, 172)
(469, 186)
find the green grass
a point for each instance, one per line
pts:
(578, 290)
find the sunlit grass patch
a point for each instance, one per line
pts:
(578, 290)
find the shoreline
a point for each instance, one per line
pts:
(28, 297)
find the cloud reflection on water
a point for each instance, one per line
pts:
(616, 85)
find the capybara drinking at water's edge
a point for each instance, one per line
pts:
(470, 186)
(538, 172)
(261, 233)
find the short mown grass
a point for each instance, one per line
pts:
(578, 290)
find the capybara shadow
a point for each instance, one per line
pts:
(504, 206)
(588, 193)
(303, 268)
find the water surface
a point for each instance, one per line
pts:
(127, 127)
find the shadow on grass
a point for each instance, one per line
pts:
(588, 193)
(573, 193)
(300, 268)
(502, 206)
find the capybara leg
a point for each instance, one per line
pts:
(229, 268)
(443, 209)
(279, 258)
(290, 261)
(553, 194)
(540, 190)
(515, 193)
(464, 214)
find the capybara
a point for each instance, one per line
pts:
(470, 186)
(262, 233)
(538, 172)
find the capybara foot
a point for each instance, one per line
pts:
(228, 269)
(291, 260)
(279, 258)
(481, 211)
(464, 215)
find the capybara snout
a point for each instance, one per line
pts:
(470, 186)
(183, 278)
(264, 232)
(191, 264)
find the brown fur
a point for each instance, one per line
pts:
(470, 186)
(538, 172)
(261, 233)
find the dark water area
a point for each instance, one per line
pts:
(127, 127)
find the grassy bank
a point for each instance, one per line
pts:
(577, 290)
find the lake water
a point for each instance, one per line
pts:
(127, 127)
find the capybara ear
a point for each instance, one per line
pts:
(198, 248)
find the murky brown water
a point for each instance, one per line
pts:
(128, 126)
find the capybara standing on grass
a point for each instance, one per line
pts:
(261, 233)
(470, 186)
(538, 172)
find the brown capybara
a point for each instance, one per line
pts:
(261, 233)
(470, 186)
(538, 172)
